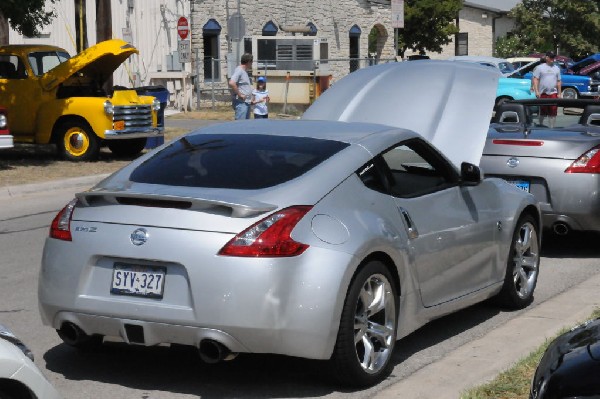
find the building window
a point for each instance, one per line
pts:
(210, 38)
(462, 43)
(270, 29)
(354, 36)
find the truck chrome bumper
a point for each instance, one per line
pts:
(133, 133)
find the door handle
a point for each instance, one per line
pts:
(411, 229)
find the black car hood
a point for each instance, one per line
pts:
(570, 366)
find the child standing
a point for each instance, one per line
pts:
(260, 98)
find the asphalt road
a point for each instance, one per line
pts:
(119, 371)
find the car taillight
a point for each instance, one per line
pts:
(61, 225)
(525, 143)
(587, 163)
(269, 237)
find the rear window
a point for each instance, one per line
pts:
(238, 161)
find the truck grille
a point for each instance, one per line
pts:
(134, 116)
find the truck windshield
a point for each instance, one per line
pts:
(43, 61)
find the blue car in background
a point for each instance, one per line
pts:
(573, 86)
(509, 87)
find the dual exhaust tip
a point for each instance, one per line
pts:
(210, 350)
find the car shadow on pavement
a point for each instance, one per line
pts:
(572, 245)
(179, 370)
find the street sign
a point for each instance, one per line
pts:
(397, 13)
(184, 49)
(183, 28)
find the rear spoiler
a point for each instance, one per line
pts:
(238, 209)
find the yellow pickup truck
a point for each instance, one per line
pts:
(55, 99)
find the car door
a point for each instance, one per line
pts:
(19, 94)
(451, 228)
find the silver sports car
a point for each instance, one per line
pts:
(311, 238)
(559, 165)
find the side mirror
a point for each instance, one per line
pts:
(470, 175)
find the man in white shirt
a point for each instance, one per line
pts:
(547, 84)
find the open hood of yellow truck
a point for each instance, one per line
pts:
(98, 61)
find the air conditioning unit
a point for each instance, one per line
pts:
(291, 53)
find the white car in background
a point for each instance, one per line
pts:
(19, 376)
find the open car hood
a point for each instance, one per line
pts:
(448, 103)
(100, 60)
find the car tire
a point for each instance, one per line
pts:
(570, 93)
(76, 141)
(522, 265)
(127, 148)
(365, 326)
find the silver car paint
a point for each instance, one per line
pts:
(572, 198)
(292, 305)
(440, 100)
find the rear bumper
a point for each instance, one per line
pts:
(288, 306)
(571, 198)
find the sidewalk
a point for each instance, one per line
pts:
(481, 360)
(84, 182)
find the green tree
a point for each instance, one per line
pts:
(511, 46)
(567, 26)
(428, 25)
(24, 16)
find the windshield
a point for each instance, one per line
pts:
(234, 161)
(43, 61)
(506, 67)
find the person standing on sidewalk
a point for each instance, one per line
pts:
(547, 84)
(260, 98)
(241, 85)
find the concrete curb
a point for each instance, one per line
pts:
(481, 360)
(25, 189)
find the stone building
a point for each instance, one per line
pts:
(220, 26)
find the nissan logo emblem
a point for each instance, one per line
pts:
(513, 162)
(139, 237)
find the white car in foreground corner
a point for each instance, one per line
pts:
(19, 376)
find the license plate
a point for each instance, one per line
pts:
(119, 125)
(522, 184)
(138, 280)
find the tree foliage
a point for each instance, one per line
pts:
(512, 46)
(24, 16)
(428, 25)
(569, 26)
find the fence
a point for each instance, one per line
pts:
(212, 88)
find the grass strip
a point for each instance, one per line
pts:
(514, 383)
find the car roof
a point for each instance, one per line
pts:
(351, 133)
(28, 48)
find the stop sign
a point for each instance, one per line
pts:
(183, 28)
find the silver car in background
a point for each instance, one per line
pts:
(311, 238)
(560, 166)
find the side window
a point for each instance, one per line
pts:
(414, 168)
(11, 67)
